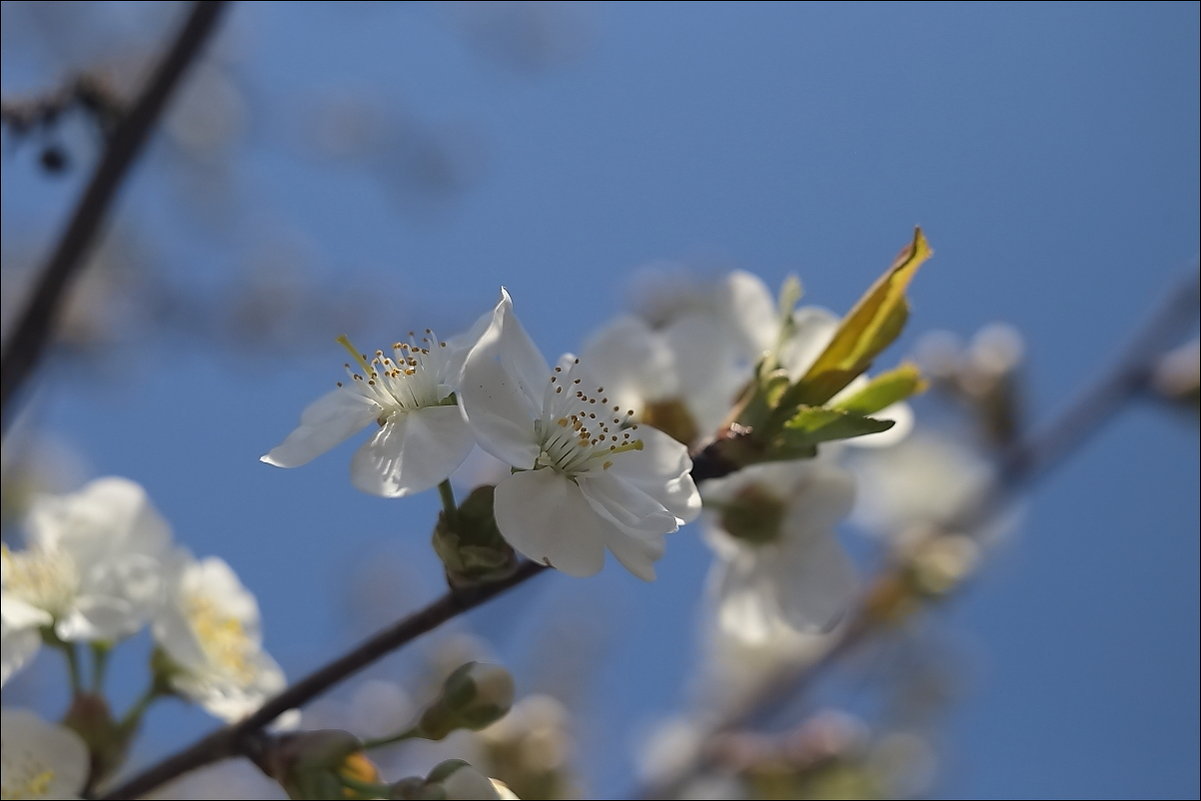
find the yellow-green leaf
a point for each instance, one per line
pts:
(884, 390)
(812, 425)
(870, 327)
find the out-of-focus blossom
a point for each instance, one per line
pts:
(737, 306)
(422, 437)
(40, 759)
(681, 379)
(530, 749)
(922, 483)
(92, 568)
(586, 480)
(779, 565)
(208, 628)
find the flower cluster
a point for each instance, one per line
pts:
(585, 476)
(100, 565)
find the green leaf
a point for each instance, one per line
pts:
(884, 390)
(869, 328)
(812, 425)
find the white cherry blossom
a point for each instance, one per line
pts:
(91, 571)
(208, 627)
(586, 480)
(40, 759)
(421, 436)
(779, 566)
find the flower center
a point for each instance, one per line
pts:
(579, 430)
(45, 580)
(30, 780)
(754, 516)
(671, 416)
(223, 638)
(414, 376)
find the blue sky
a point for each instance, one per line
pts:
(1050, 151)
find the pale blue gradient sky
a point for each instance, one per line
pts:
(1050, 151)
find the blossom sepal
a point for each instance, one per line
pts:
(470, 545)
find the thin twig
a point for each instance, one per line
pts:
(33, 331)
(1021, 464)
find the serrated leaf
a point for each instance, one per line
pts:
(884, 390)
(812, 425)
(870, 327)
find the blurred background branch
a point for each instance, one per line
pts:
(29, 338)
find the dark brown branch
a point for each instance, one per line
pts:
(32, 333)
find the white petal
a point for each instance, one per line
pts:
(105, 516)
(327, 422)
(519, 356)
(497, 412)
(753, 311)
(637, 553)
(545, 516)
(634, 363)
(710, 368)
(414, 451)
(17, 647)
(813, 328)
(40, 759)
(661, 470)
(625, 505)
(747, 607)
(814, 579)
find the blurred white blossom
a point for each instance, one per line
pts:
(586, 480)
(40, 759)
(208, 627)
(920, 484)
(779, 565)
(91, 571)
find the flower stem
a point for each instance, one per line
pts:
(133, 717)
(449, 508)
(100, 652)
(380, 742)
(71, 652)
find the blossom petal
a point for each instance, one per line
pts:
(634, 363)
(412, 452)
(17, 647)
(813, 328)
(661, 470)
(327, 422)
(106, 515)
(41, 759)
(545, 516)
(814, 579)
(519, 356)
(753, 311)
(747, 605)
(709, 369)
(637, 553)
(625, 505)
(497, 412)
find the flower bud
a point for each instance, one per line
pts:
(474, 696)
(471, 547)
(457, 781)
(312, 764)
